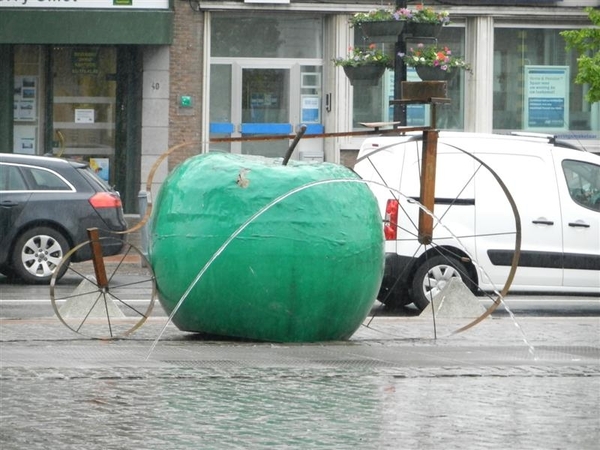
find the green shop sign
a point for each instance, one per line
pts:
(84, 4)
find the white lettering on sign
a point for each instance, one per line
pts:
(85, 4)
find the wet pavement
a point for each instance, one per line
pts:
(533, 384)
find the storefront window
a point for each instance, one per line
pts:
(534, 88)
(260, 36)
(371, 103)
(28, 104)
(265, 79)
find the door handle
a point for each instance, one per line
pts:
(8, 204)
(578, 225)
(543, 222)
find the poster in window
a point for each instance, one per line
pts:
(101, 166)
(25, 98)
(311, 109)
(24, 139)
(84, 115)
(546, 98)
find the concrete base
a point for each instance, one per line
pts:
(455, 301)
(83, 297)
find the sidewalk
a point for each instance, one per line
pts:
(391, 386)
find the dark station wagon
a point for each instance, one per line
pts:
(46, 207)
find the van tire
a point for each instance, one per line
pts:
(432, 275)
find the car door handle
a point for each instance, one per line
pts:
(8, 204)
(578, 225)
(543, 222)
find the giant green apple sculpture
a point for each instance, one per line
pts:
(306, 268)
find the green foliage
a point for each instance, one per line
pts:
(586, 42)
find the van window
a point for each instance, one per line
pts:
(583, 180)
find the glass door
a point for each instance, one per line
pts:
(84, 105)
(265, 109)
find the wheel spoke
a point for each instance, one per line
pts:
(105, 312)
(52, 247)
(28, 258)
(89, 311)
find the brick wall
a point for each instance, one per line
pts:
(186, 75)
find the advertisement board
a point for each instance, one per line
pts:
(546, 98)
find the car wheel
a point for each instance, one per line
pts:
(431, 277)
(37, 254)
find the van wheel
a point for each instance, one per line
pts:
(37, 254)
(397, 297)
(431, 277)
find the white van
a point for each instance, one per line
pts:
(556, 189)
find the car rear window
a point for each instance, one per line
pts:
(44, 180)
(15, 177)
(97, 182)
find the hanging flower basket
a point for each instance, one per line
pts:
(428, 73)
(434, 63)
(365, 65)
(385, 31)
(368, 74)
(424, 30)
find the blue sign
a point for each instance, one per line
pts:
(546, 112)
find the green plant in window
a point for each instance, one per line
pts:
(358, 57)
(440, 57)
(586, 42)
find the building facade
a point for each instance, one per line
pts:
(121, 81)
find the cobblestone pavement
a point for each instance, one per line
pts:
(534, 384)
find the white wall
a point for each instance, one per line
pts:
(155, 114)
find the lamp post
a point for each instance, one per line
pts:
(399, 72)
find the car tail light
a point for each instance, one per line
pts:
(105, 200)
(390, 222)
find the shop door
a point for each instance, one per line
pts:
(84, 105)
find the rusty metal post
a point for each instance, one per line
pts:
(299, 135)
(429, 156)
(97, 259)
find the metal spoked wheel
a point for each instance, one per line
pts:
(112, 298)
(441, 256)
